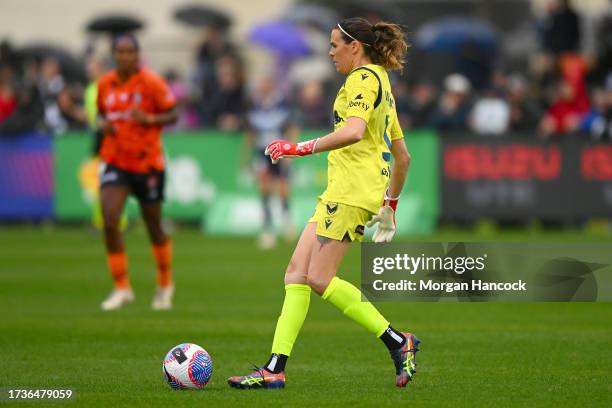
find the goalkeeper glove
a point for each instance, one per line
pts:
(385, 219)
(283, 148)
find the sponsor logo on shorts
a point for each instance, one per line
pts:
(360, 229)
(328, 222)
(331, 208)
(152, 185)
(152, 182)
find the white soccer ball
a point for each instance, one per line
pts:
(187, 366)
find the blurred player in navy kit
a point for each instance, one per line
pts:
(270, 117)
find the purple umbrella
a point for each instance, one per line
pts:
(284, 39)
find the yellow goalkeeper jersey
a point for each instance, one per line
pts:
(358, 175)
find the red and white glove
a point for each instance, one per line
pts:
(385, 219)
(282, 148)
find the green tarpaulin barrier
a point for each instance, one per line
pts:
(206, 180)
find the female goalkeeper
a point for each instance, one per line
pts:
(360, 177)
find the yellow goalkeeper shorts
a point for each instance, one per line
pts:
(339, 221)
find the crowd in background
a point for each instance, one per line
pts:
(563, 90)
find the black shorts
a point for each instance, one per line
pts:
(146, 187)
(280, 169)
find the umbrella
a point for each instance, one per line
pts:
(115, 24)
(71, 67)
(312, 15)
(202, 16)
(372, 10)
(451, 34)
(284, 39)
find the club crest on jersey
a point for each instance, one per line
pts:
(331, 208)
(110, 100)
(328, 222)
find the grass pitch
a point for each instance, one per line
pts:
(53, 334)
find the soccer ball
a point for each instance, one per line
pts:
(187, 366)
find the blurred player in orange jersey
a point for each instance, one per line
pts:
(134, 104)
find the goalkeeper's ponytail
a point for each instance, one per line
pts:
(384, 43)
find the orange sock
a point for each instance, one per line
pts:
(117, 263)
(163, 258)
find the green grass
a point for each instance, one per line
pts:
(52, 333)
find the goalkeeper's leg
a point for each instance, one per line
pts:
(324, 263)
(293, 314)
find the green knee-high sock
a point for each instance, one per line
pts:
(347, 298)
(295, 308)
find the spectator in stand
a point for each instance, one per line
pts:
(453, 109)
(491, 114)
(29, 114)
(569, 104)
(51, 84)
(475, 62)
(403, 101)
(597, 123)
(312, 109)
(72, 106)
(227, 103)
(499, 82)
(602, 66)
(423, 103)
(524, 111)
(8, 56)
(187, 118)
(560, 28)
(8, 98)
(62, 110)
(213, 47)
